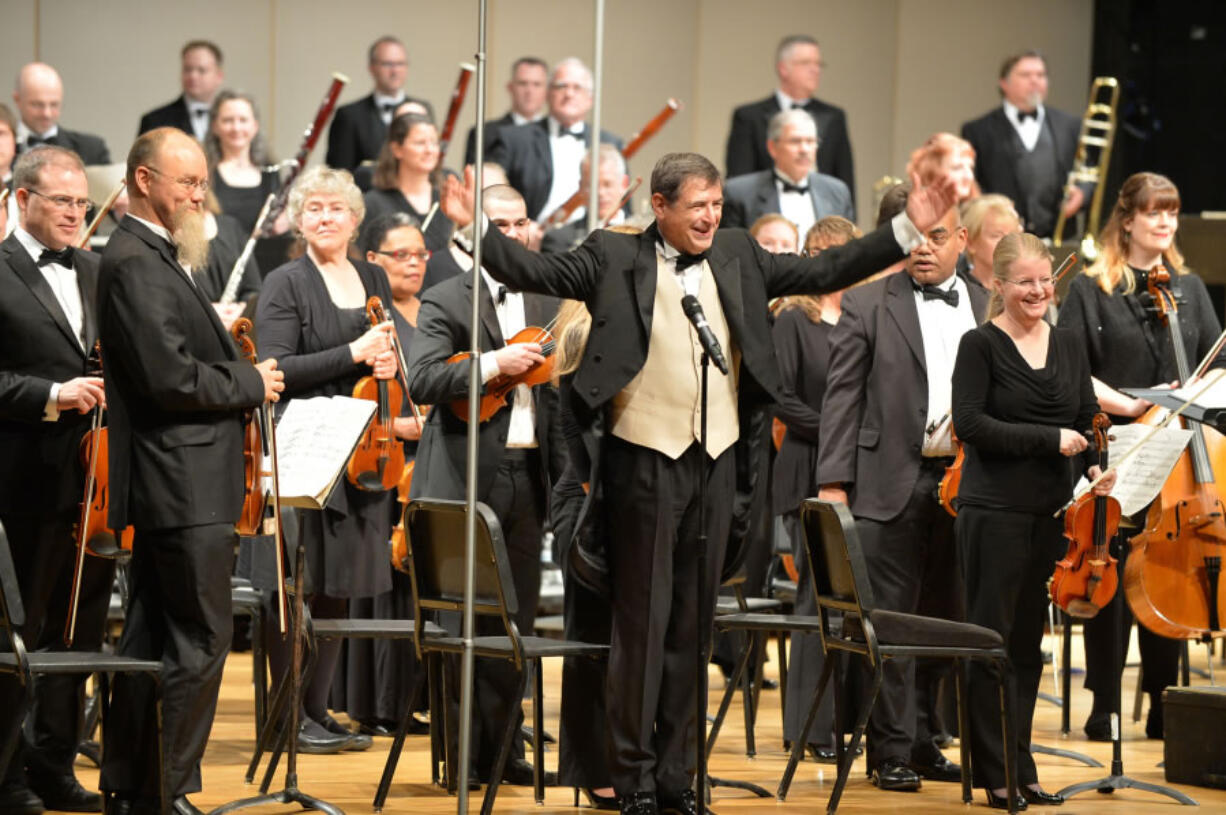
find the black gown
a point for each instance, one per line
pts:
(381, 202)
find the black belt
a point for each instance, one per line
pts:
(936, 462)
(517, 458)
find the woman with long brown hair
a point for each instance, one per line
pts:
(407, 178)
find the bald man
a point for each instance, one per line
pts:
(39, 96)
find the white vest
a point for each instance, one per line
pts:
(660, 407)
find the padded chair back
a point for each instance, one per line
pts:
(435, 535)
(12, 613)
(836, 561)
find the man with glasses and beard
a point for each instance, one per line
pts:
(176, 389)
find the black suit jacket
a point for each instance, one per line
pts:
(357, 133)
(746, 152)
(492, 126)
(748, 197)
(173, 114)
(92, 149)
(175, 390)
(523, 151)
(40, 471)
(997, 152)
(876, 402)
(442, 330)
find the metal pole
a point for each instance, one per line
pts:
(474, 423)
(593, 161)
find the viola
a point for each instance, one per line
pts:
(497, 389)
(1086, 578)
(94, 535)
(1172, 572)
(378, 462)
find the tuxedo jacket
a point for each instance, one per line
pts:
(357, 133)
(40, 466)
(523, 151)
(492, 126)
(92, 149)
(443, 330)
(997, 151)
(173, 114)
(746, 152)
(749, 197)
(876, 403)
(176, 389)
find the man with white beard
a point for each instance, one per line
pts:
(176, 389)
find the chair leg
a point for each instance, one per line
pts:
(271, 730)
(781, 644)
(538, 728)
(964, 733)
(504, 749)
(393, 756)
(757, 645)
(857, 734)
(798, 743)
(259, 673)
(733, 682)
(1006, 721)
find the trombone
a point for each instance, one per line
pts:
(1093, 159)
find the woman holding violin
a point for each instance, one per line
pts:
(1022, 399)
(1111, 312)
(312, 315)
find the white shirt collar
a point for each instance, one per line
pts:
(786, 102)
(520, 119)
(1011, 112)
(381, 100)
(24, 133)
(31, 244)
(555, 128)
(156, 229)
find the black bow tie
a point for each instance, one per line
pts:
(198, 112)
(788, 186)
(685, 261)
(33, 141)
(800, 106)
(64, 257)
(1023, 115)
(500, 295)
(580, 134)
(931, 292)
(389, 107)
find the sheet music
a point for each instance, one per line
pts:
(1207, 392)
(1140, 478)
(315, 439)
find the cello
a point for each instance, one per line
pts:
(1172, 571)
(1086, 579)
(378, 462)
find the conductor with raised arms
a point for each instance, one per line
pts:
(636, 390)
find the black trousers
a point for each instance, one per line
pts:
(651, 516)
(912, 566)
(806, 659)
(180, 612)
(1007, 559)
(583, 754)
(44, 553)
(1159, 655)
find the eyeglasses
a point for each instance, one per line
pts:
(405, 254)
(1040, 282)
(64, 201)
(186, 182)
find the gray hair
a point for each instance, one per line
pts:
(30, 164)
(609, 156)
(794, 117)
(501, 193)
(673, 169)
(577, 64)
(322, 180)
(787, 44)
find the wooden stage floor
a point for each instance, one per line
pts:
(348, 780)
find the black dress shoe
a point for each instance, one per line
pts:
(640, 803)
(18, 799)
(357, 741)
(595, 800)
(1154, 723)
(182, 806)
(894, 774)
(822, 755)
(943, 740)
(377, 727)
(1098, 727)
(937, 768)
(314, 739)
(1001, 802)
(679, 803)
(1041, 798)
(518, 773)
(65, 793)
(529, 735)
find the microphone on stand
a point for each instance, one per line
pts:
(692, 309)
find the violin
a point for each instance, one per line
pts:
(497, 389)
(1172, 571)
(951, 482)
(259, 445)
(378, 462)
(94, 536)
(1085, 580)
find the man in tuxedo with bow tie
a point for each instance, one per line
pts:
(47, 396)
(527, 87)
(798, 64)
(359, 128)
(792, 187)
(201, 76)
(542, 158)
(176, 390)
(521, 452)
(39, 96)
(1024, 149)
(884, 447)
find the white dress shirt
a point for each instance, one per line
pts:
(797, 207)
(382, 102)
(63, 283)
(942, 327)
(24, 133)
(511, 320)
(1029, 129)
(198, 115)
(566, 153)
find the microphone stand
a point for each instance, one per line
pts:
(700, 566)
